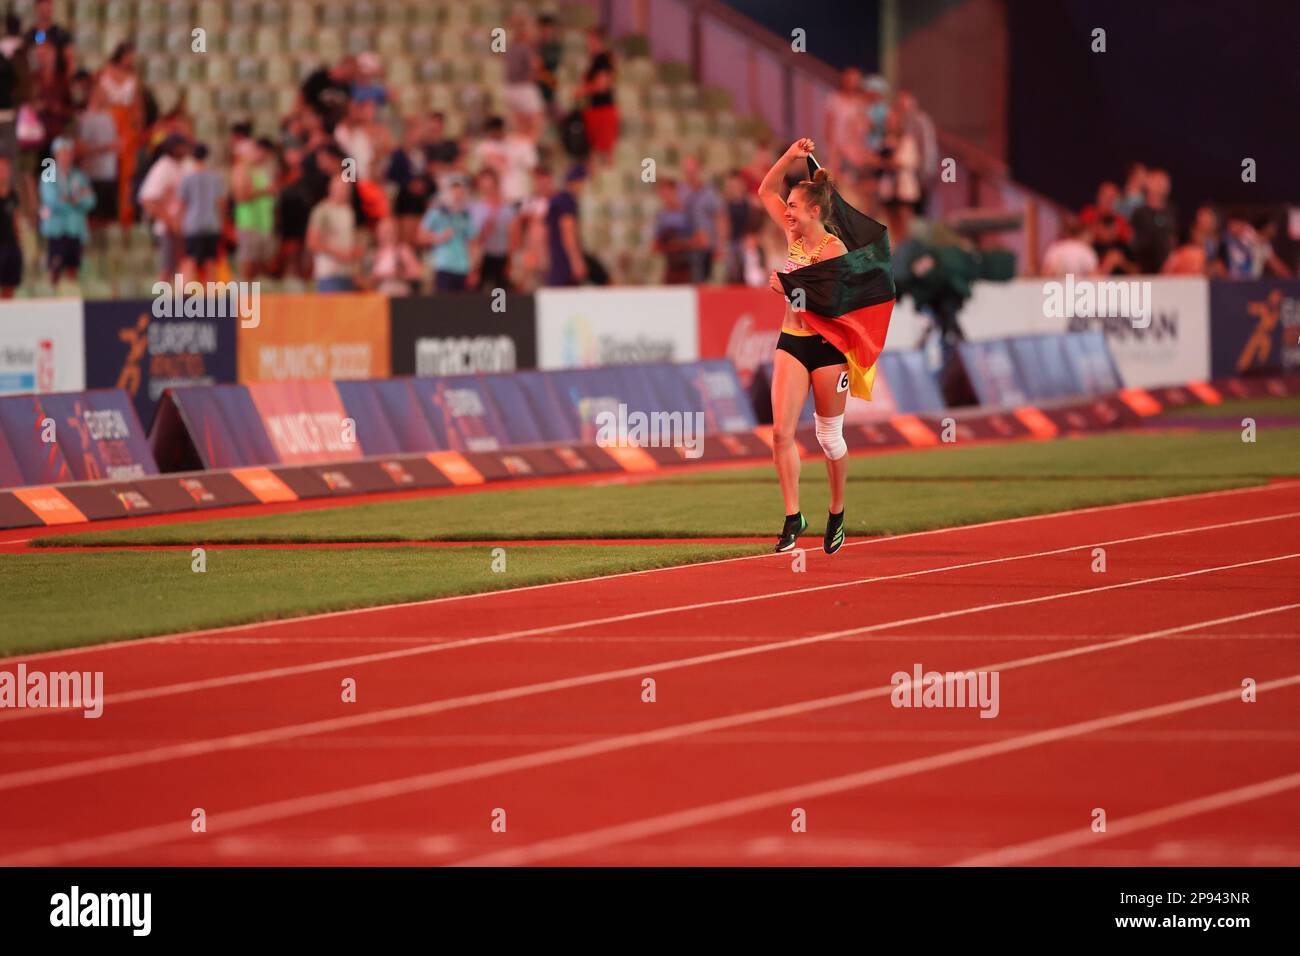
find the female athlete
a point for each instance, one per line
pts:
(803, 358)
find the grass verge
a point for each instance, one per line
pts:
(66, 600)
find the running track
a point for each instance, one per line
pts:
(1118, 690)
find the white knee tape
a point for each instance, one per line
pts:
(830, 435)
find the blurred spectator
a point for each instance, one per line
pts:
(328, 91)
(294, 204)
(754, 270)
(1111, 233)
(1187, 260)
(1155, 224)
(447, 227)
(1206, 235)
(11, 251)
(1248, 249)
(1071, 254)
(900, 181)
(320, 166)
(1266, 256)
(512, 157)
(523, 68)
(1106, 202)
(355, 137)
(529, 264)
(79, 91)
(601, 114)
(674, 239)
(65, 202)
(917, 124)
(44, 32)
(1202, 253)
(1240, 248)
(392, 266)
(760, 161)
(158, 197)
(844, 121)
(550, 52)
(438, 146)
(409, 171)
(98, 142)
(1134, 194)
(253, 188)
(742, 223)
(13, 86)
(202, 194)
(568, 266)
(496, 234)
(368, 86)
(706, 215)
(373, 203)
(875, 90)
(51, 100)
(332, 238)
(1110, 240)
(118, 88)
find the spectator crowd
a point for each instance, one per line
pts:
(1136, 229)
(346, 193)
(349, 192)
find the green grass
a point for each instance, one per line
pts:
(65, 599)
(889, 494)
(62, 599)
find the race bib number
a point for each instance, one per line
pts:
(843, 386)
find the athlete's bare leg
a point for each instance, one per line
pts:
(829, 400)
(789, 393)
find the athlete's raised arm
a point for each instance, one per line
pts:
(769, 190)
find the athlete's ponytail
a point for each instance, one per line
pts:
(817, 192)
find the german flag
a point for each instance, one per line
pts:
(848, 300)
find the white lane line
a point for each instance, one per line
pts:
(312, 803)
(708, 813)
(202, 747)
(180, 636)
(1049, 846)
(292, 670)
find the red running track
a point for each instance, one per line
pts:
(1119, 691)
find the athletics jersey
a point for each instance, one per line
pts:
(797, 257)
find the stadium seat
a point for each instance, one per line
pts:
(158, 70)
(211, 14)
(181, 11)
(177, 41)
(189, 69)
(272, 12)
(149, 41)
(270, 40)
(87, 11)
(149, 12)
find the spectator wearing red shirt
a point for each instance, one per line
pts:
(1107, 202)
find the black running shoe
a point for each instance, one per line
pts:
(834, 539)
(795, 525)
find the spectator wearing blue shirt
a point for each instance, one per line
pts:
(705, 208)
(66, 201)
(369, 87)
(496, 233)
(449, 229)
(673, 234)
(568, 266)
(202, 194)
(876, 90)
